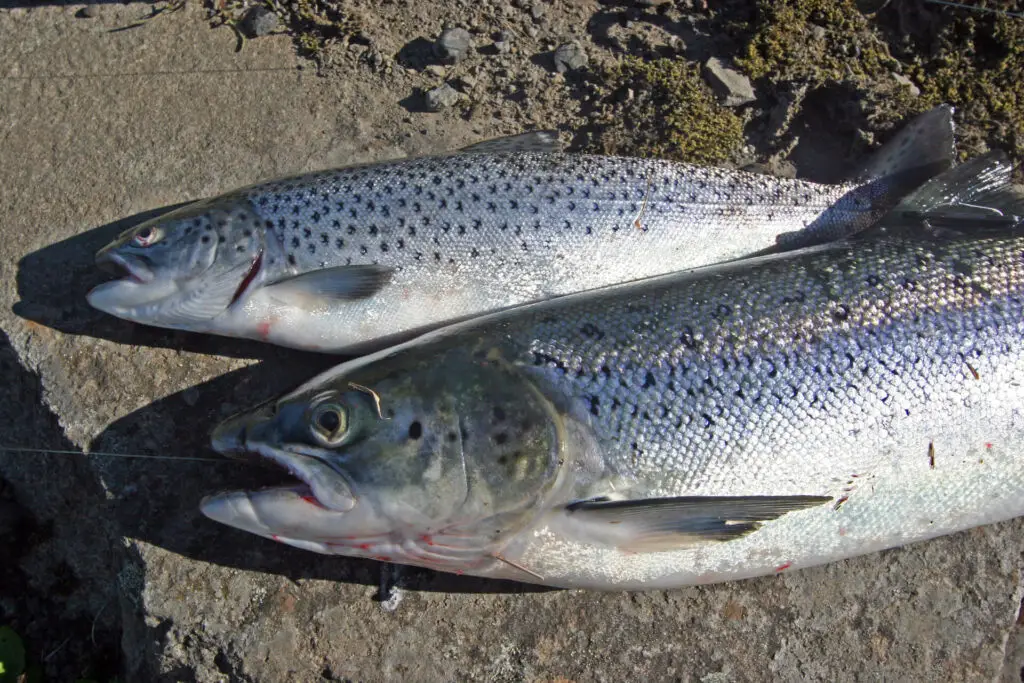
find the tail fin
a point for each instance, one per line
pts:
(973, 196)
(923, 148)
(920, 151)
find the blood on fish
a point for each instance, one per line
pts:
(363, 546)
(263, 329)
(783, 567)
(276, 537)
(313, 501)
(427, 539)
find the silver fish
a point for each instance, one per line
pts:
(735, 421)
(353, 258)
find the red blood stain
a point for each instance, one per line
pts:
(428, 539)
(382, 558)
(363, 546)
(313, 501)
(988, 446)
(842, 531)
(275, 537)
(263, 329)
(783, 567)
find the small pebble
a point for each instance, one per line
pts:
(465, 83)
(88, 12)
(442, 97)
(570, 57)
(453, 44)
(538, 11)
(909, 84)
(436, 70)
(733, 88)
(259, 21)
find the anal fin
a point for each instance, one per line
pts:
(661, 524)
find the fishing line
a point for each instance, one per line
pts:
(113, 455)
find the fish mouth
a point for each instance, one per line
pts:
(329, 487)
(130, 268)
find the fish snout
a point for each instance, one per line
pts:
(231, 436)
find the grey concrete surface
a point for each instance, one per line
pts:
(99, 127)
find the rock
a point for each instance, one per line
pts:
(436, 70)
(465, 83)
(818, 32)
(652, 3)
(570, 57)
(907, 83)
(503, 44)
(538, 11)
(732, 87)
(532, 32)
(88, 12)
(442, 97)
(453, 44)
(259, 21)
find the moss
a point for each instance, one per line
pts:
(786, 46)
(663, 108)
(978, 67)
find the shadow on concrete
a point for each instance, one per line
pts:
(60, 558)
(53, 281)
(157, 501)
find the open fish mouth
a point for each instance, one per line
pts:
(130, 268)
(317, 479)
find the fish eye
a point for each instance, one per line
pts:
(329, 423)
(147, 236)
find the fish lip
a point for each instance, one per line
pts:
(119, 264)
(231, 439)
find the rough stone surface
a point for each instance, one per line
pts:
(100, 128)
(259, 21)
(569, 57)
(442, 97)
(454, 44)
(733, 88)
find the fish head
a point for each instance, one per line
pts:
(184, 268)
(419, 459)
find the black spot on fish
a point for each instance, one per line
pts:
(649, 380)
(205, 239)
(291, 259)
(363, 250)
(384, 246)
(296, 242)
(415, 430)
(500, 438)
(595, 406)
(324, 238)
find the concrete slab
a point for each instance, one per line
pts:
(101, 125)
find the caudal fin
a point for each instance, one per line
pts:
(973, 196)
(922, 149)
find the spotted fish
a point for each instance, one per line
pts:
(734, 421)
(347, 259)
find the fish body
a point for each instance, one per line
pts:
(730, 422)
(358, 257)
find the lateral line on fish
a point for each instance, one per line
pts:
(52, 451)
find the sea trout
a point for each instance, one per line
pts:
(733, 421)
(352, 259)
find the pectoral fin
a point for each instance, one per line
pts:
(346, 283)
(535, 141)
(660, 524)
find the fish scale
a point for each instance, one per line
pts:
(733, 421)
(361, 256)
(498, 230)
(406, 212)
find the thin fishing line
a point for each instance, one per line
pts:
(975, 8)
(113, 455)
